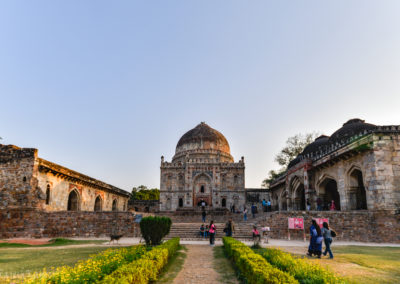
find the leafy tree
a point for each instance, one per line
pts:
(294, 146)
(143, 193)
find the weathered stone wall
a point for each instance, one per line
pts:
(363, 226)
(18, 186)
(37, 224)
(60, 189)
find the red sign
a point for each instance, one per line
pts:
(296, 223)
(320, 221)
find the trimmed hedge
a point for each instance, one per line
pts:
(154, 229)
(302, 270)
(253, 266)
(91, 270)
(147, 267)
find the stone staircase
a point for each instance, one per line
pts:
(190, 231)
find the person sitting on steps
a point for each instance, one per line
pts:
(202, 231)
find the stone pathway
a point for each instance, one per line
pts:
(198, 266)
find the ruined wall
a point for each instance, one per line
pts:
(36, 224)
(18, 185)
(363, 226)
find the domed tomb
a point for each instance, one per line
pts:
(203, 142)
(350, 128)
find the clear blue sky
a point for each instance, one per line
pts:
(107, 87)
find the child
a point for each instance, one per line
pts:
(207, 231)
(202, 231)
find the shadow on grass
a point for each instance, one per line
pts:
(53, 242)
(224, 266)
(174, 265)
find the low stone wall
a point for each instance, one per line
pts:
(362, 226)
(36, 224)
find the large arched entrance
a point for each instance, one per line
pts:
(357, 194)
(73, 201)
(327, 192)
(202, 190)
(299, 201)
(283, 201)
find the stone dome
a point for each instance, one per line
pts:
(203, 137)
(350, 128)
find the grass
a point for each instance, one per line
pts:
(224, 266)
(174, 265)
(53, 242)
(366, 265)
(19, 261)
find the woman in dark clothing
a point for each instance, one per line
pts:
(315, 246)
(327, 234)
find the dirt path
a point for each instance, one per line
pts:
(198, 266)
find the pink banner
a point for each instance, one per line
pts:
(296, 223)
(320, 221)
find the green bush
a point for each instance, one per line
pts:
(302, 270)
(91, 270)
(154, 229)
(146, 268)
(253, 266)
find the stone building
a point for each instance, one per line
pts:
(29, 182)
(358, 167)
(202, 170)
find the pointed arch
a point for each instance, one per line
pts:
(355, 189)
(98, 204)
(328, 192)
(73, 200)
(115, 205)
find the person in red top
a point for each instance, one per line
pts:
(212, 230)
(256, 234)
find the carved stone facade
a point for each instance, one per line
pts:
(358, 167)
(29, 182)
(202, 170)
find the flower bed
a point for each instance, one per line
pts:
(302, 270)
(91, 270)
(147, 267)
(253, 266)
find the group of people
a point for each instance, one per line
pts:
(317, 235)
(208, 231)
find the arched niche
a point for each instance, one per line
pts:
(73, 201)
(98, 204)
(114, 205)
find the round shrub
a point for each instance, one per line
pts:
(154, 229)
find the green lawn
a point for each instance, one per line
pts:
(25, 260)
(53, 242)
(366, 265)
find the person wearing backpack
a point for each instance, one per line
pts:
(327, 233)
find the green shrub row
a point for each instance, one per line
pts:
(253, 266)
(302, 270)
(146, 268)
(91, 270)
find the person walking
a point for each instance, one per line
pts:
(229, 228)
(212, 230)
(308, 205)
(327, 234)
(316, 238)
(245, 214)
(253, 210)
(203, 216)
(264, 205)
(269, 206)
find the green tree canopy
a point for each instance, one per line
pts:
(143, 193)
(294, 146)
